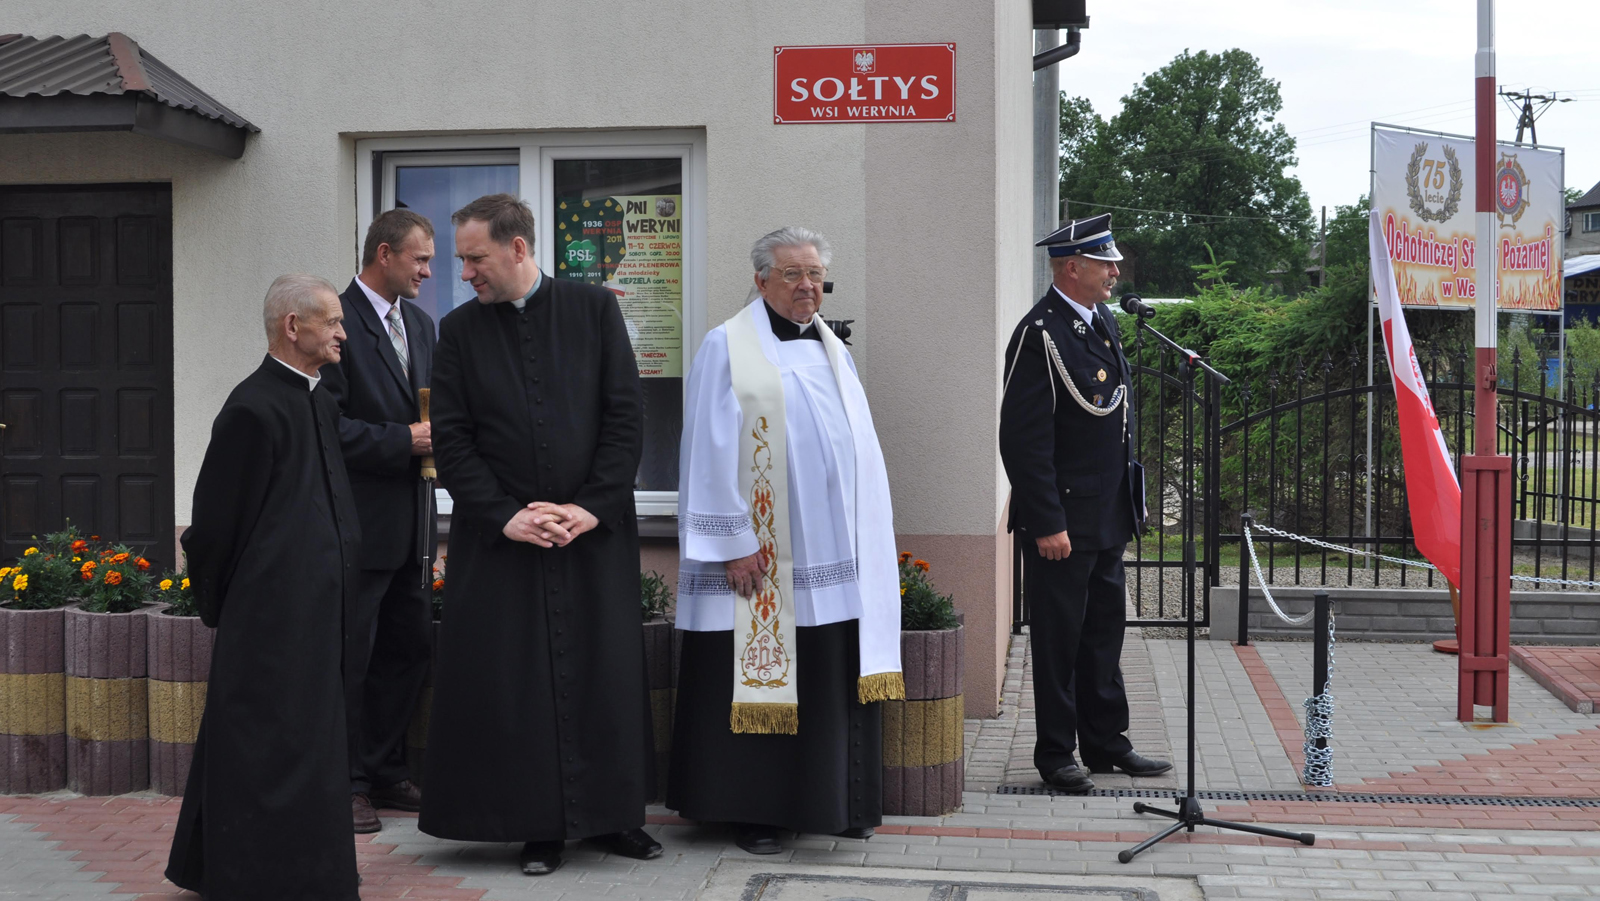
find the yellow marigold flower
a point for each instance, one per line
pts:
(20, 583)
(185, 585)
(76, 559)
(30, 552)
(4, 571)
(166, 584)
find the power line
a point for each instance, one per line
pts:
(1134, 209)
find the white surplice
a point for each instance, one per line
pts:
(714, 523)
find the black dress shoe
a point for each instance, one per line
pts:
(635, 843)
(758, 839)
(541, 858)
(364, 817)
(1070, 779)
(403, 795)
(856, 832)
(1132, 764)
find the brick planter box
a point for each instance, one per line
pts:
(179, 664)
(417, 732)
(108, 713)
(661, 644)
(924, 766)
(33, 706)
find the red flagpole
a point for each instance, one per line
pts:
(1484, 661)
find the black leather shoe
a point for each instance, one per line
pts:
(856, 832)
(403, 795)
(363, 815)
(1133, 764)
(541, 858)
(635, 843)
(758, 839)
(1071, 779)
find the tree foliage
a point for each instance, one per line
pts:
(1198, 137)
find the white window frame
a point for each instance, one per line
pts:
(535, 154)
(1591, 222)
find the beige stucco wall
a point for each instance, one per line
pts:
(929, 220)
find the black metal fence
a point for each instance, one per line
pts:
(1294, 449)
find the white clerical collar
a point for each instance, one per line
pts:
(379, 305)
(519, 304)
(1086, 312)
(313, 379)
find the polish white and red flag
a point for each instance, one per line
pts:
(1432, 490)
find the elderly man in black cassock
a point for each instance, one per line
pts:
(271, 546)
(540, 727)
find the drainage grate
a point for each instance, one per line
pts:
(1328, 797)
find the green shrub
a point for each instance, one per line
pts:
(922, 608)
(655, 597)
(46, 576)
(175, 592)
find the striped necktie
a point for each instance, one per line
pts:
(397, 337)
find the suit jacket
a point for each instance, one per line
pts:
(1071, 470)
(377, 404)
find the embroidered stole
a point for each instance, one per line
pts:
(764, 696)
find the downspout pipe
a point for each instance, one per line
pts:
(1057, 54)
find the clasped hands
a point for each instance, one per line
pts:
(549, 525)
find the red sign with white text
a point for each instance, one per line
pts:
(864, 83)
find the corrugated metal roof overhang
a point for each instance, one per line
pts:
(109, 83)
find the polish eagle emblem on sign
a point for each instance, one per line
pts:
(1510, 190)
(866, 60)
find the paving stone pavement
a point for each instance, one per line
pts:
(1395, 708)
(63, 847)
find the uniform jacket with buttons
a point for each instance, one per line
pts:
(1070, 470)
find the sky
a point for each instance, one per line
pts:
(1342, 65)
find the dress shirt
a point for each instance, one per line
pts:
(1086, 312)
(382, 307)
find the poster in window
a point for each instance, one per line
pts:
(633, 245)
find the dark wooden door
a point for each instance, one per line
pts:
(86, 365)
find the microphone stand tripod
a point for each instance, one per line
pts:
(1189, 813)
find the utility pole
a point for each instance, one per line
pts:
(1527, 116)
(1483, 677)
(1322, 244)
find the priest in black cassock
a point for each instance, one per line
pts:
(540, 728)
(271, 546)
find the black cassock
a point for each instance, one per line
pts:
(274, 535)
(540, 727)
(1072, 471)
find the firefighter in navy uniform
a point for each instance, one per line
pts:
(1066, 428)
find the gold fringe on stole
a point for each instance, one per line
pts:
(881, 687)
(766, 719)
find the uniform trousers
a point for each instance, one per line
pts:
(1077, 614)
(387, 648)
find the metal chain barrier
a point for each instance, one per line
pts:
(1401, 561)
(1255, 566)
(1319, 724)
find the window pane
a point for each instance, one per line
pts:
(619, 223)
(436, 192)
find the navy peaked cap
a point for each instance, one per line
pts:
(1089, 237)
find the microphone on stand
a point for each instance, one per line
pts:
(1134, 305)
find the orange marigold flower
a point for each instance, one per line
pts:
(120, 558)
(88, 566)
(905, 556)
(94, 537)
(113, 577)
(141, 563)
(87, 575)
(922, 565)
(80, 545)
(438, 584)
